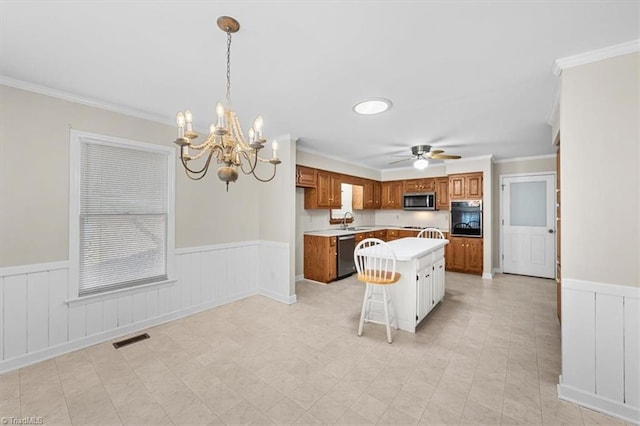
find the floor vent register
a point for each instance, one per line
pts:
(130, 340)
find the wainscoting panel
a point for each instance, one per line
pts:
(600, 347)
(38, 322)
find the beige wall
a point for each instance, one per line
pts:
(305, 158)
(599, 142)
(34, 180)
(519, 166)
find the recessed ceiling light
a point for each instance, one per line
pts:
(372, 106)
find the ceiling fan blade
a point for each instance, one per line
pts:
(445, 157)
(400, 161)
(435, 152)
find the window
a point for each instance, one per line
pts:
(121, 215)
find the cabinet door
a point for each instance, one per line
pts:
(392, 234)
(442, 193)
(411, 185)
(438, 280)
(424, 291)
(377, 195)
(427, 185)
(392, 194)
(324, 189)
(404, 233)
(473, 254)
(359, 237)
(381, 235)
(306, 177)
(320, 258)
(457, 254)
(456, 187)
(473, 186)
(369, 199)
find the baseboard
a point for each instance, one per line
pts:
(54, 351)
(289, 300)
(487, 275)
(598, 403)
(299, 277)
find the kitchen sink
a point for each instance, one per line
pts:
(357, 228)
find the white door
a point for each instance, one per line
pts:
(528, 225)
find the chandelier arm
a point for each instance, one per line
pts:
(203, 170)
(265, 180)
(203, 144)
(248, 158)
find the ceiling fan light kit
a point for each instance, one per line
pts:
(371, 106)
(420, 154)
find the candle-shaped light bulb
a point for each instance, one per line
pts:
(188, 117)
(257, 126)
(220, 114)
(252, 136)
(180, 121)
(274, 147)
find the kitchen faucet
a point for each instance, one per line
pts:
(344, 220)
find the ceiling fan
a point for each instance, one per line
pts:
(422, 153)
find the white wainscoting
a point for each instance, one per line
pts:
(37, 323)
(601, 347)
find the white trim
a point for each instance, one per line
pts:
(331, 157)
(487, 275)
(299, 277)
(595, 55)
(496, 271)
(51, 352)
(78, 301)
(625, 412)
(601, 288)
(214, 247)
(501, 178)
(8, 271)
(289, 300)
(78, 137)
(533, 157)
(42, 90)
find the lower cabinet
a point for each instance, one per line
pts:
(464, 255)
(429, 284)
(320, 258)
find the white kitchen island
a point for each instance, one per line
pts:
(420, 261)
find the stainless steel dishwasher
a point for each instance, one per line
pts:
(346, 246)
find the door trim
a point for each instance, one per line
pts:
(501, 214)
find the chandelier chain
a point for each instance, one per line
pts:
(228, 68)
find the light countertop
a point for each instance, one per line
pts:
(412, 248)
(339, 232)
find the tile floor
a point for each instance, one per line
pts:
(489, 354)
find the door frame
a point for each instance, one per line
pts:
(502, 207)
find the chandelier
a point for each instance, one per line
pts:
(226, 142)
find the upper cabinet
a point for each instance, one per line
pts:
(465, 186)
(442, 193)
(306, 177)
(371, 194)
(420, 185)
(392, 194)
(327, 193)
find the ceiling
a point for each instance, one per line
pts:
(470, 77)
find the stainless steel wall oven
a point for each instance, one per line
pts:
(466, 218)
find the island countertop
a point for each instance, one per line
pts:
(410, 248)
(336, 232)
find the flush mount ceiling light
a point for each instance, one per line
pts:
(372, 106)
(226, 141)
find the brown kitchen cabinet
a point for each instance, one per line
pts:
(464, 255)
(320, 262)
(306, 177)
(327, 194)
(405, 233)
(465, 186)
(392, 194)
(420, 185)
(392, 234)
(371, 194)
(442, 193)
(382, 234)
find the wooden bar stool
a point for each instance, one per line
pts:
(376, 266)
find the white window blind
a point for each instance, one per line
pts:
(123, 217)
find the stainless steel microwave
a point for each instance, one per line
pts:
(419, 201)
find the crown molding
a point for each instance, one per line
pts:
(334, 158)
(47, 91)
(595, 55)
(533, 157)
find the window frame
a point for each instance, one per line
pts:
(76, 139)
